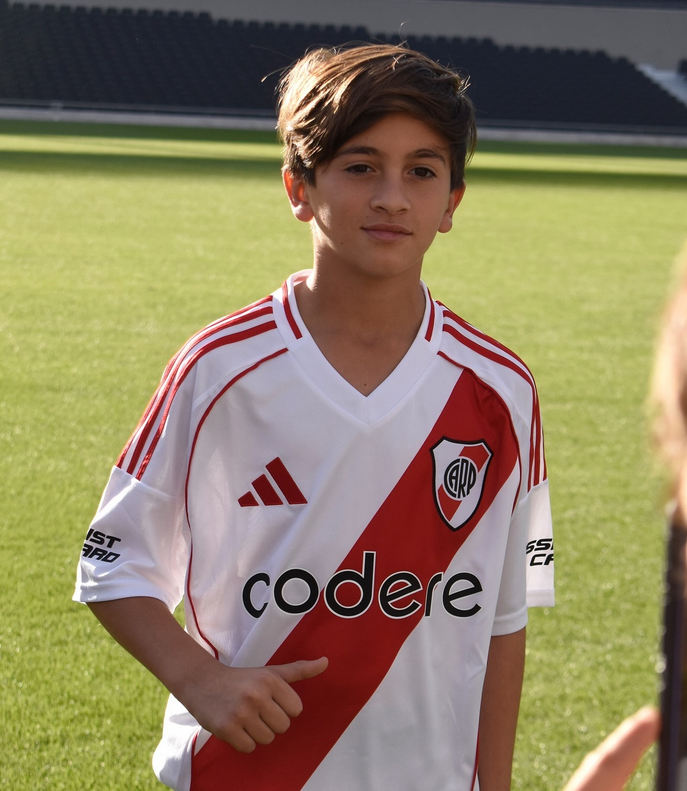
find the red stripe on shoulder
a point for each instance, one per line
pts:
(467, 327)
(140, 436)
(260, 308)
(289, 312)
(188, 366)
(430, 323)
(492, 350)
(490, 354)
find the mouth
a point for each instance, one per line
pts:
(386, 231)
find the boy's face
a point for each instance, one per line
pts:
(376, 207)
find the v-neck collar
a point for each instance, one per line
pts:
(322, 375)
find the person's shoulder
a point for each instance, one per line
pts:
(492, 361)
(231, 342)
(209, 362)
(507, 376)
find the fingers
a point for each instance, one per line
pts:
(284, 695)
(258, 712)
(626, 745)
(275, 719)
(263, 702)
(609, 766)
(264, 728)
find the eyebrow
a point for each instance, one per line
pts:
(420, 153)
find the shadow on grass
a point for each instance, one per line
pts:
(133, 131)
(580, 149)
(575, 178)
(140, 132)
(133, 166)
(144, 166)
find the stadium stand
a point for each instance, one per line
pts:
(610, 3)
(187, 62)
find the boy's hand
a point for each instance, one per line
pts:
(610, 765)
(241, 706)
(250, 706)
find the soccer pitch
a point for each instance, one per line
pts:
(116, 244)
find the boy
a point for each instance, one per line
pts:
(345, 483)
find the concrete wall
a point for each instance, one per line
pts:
(654, 36)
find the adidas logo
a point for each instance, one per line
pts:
(265, 489)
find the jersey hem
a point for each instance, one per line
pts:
(510, 624)
(541, 598)
(86, 594)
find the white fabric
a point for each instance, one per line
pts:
(252, 396)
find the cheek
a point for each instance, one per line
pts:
(332, 218)
(327, 231)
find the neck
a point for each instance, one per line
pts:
(365, 307)
(363, 329)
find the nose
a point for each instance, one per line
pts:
(390, 194)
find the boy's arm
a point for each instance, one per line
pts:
(499, 713)
(242, 706)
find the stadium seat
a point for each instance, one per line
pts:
(188, 60)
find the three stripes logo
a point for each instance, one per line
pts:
(276, 489)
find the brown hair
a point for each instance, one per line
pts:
(331, 95)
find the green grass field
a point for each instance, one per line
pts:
(116, 244)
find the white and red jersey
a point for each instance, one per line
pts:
(394, 533)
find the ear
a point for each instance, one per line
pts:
(297, 192)
(455, 197)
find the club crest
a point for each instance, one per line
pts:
(459, 472)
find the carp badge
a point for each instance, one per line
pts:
(459, 472)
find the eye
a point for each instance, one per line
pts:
(358, 168)
(423, 172)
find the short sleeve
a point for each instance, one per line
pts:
(135, 546)
(527, 579)
(539, 550)
(138, 542)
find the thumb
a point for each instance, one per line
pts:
(300, 670)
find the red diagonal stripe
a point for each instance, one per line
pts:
(406, 533)
(285, 482)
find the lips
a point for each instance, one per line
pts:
(387, 231)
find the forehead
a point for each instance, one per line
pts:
(398, 133)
